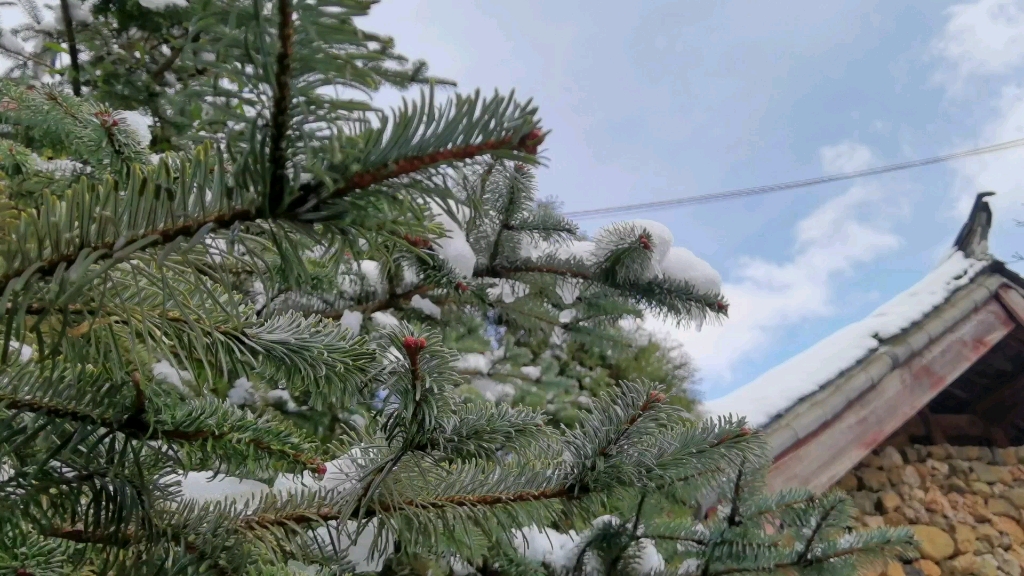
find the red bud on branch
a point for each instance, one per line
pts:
(531, 141)
(656, 397)
(107, 120)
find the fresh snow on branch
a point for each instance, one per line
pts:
(568, 289)
(455, 247)
(559, 552)
(531, 372)
(352, 320)
(426, 306)
(658, 235)
(668, 261)
(10, 43)
(493, 390)
(282, 400)
(506, 290)
(535, 248)
(384, 320)
(138, 123)
(477, 363)
(163, 371)
(242, 393)
(161, 5)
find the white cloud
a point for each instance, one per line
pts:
(985, 38)
(845, 157)
(999, 172)
(981, 38)
(768, 296)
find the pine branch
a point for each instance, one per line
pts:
(80, 536)
(327, 514)
(654, 398)
(818, 526)
(734, 509)
(501, 271)
(69, 29)
(279, 116)
(174, 55)
(169, 220)
(144, 239)
(25, 57)
(392, 301)
(783, 566)
(144, 421)
(412, 164)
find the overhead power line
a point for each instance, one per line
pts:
(770, 188)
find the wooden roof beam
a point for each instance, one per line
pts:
(836, 447)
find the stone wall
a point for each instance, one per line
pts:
(964, 504)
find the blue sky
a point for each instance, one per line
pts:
(652, 100)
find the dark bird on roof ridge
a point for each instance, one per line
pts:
(973, 237)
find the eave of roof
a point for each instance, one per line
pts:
(785, 386)
(806, 416)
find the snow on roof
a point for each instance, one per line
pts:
(780, 388)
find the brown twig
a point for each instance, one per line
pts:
(412, 164)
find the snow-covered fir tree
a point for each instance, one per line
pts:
(144, 60)
(155, 307)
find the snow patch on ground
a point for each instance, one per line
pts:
(783, 386)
